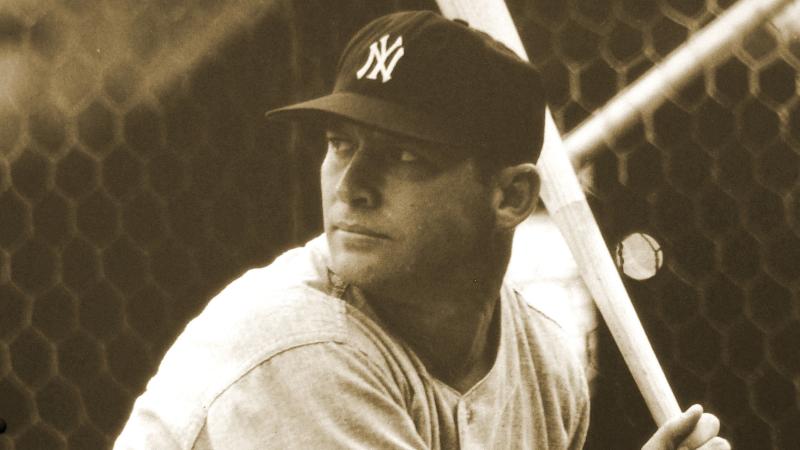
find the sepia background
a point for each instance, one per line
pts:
(138, 177)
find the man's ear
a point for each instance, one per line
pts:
(516, 193)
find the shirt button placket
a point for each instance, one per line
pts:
(466, 419)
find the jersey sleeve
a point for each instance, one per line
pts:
(580, 426)
(324, 395)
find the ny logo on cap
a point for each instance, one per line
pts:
(378, 54)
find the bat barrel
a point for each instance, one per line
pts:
(707, 47)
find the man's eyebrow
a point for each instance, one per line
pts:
(332, 127)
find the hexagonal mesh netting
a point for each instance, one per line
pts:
(137, 177)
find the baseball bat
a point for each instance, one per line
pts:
(567, 205)
(707, 47)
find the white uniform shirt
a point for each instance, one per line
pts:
(285, 357)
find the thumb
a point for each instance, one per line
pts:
(675, 430)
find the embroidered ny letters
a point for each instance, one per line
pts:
(378, 54)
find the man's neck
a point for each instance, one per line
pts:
(453, 331)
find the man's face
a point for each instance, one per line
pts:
(397, 212)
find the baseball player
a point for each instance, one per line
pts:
(395, 328)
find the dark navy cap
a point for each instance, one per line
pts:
(420, 75)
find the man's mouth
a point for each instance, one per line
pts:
(360, 229)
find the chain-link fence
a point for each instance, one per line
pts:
(137, 177)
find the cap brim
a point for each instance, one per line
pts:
(373, 112)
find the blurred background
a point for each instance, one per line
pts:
(137, 178)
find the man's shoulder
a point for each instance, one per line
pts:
(263, 313)
(266, 309)
(548, 345)
(535, 320)
(550, 362)
(284, 300)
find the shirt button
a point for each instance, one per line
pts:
(470, 416)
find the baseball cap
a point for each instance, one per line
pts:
(420, 75)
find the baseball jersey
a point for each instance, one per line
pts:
(290, 357)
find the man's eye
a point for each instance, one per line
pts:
(406, 156)
(338, 145)
(403, 156)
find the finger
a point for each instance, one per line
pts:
(675, 430)
(705, 430)
(717, 443)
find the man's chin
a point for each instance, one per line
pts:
(359, 268)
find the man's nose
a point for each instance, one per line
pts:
(359, 182)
